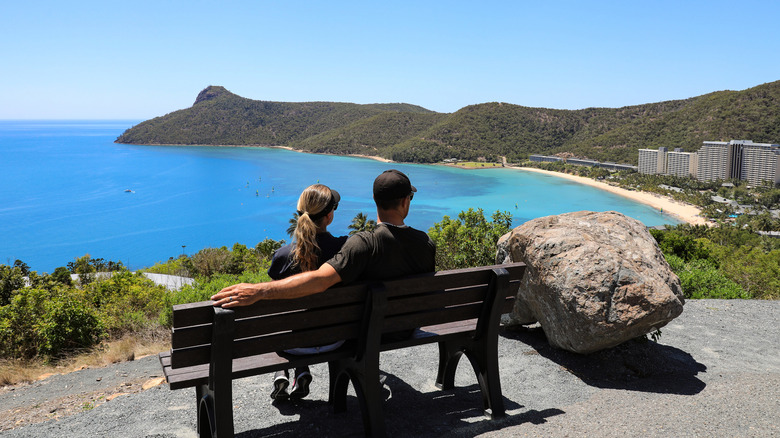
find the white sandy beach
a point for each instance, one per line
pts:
(686, 212)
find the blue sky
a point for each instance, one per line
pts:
(141, 59)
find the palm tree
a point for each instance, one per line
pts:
(293, 224)
(361, 222)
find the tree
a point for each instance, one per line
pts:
(293, 224)
(11, 280)
(469, 240)
(361, 222)
(267, 247)
(84, 267)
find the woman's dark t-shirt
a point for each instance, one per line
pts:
(282, 263)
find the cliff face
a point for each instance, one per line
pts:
(405, 132)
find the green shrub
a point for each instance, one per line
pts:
(11, 280)
(203, 290)
(701, 279)
(126, 302)
(49, 323)
(174, 266)
(469, 240)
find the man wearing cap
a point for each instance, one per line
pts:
(391, 250)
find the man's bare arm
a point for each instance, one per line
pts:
(305, 283)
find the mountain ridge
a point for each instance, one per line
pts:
(411, 133)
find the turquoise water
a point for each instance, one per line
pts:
(63, 194)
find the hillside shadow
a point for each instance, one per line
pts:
(407, 411)
(637, 365)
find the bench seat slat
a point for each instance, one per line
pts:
(269, 362)
(258, 345)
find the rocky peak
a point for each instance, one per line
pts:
(211, 92)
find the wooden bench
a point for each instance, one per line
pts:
(458, 309)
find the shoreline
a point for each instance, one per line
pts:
(686, 212)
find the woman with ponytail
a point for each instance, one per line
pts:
(312, 246)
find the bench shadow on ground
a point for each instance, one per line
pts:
(408, 412)
(636, 365)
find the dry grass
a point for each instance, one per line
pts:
(129, 347)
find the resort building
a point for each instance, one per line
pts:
(739, 159)
(544, 158)
(719, 160)
(662, 162)
(760, 162)
(582, 162)
(679, 163)
(615, 166)
(652, 161)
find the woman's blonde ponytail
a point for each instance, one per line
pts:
(312, 203)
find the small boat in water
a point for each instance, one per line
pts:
(129, 191)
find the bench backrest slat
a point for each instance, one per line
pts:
(189, 314)
(254, 326)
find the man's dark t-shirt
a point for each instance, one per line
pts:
(282, 263)
(387, 252)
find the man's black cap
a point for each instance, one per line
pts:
(392, 184)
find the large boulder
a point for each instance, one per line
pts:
(593, 281)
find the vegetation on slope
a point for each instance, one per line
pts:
(404, 132)
(49, 316)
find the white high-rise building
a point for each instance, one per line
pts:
(735, 159)
(652, 161)
(760, 162)
(679, 163)
(661, 162)
(714, 161)
(739, 159)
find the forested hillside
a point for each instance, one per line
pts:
(405, 132)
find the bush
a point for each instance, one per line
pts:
(49, 323)
(126, 302)
(701, 279)
(204, 289)
(211, 261)
(11, 280)
(470, 240)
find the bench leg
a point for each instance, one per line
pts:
(449, 356)
(215, 413)
(339, 383)
(365, 380)
(485, 364)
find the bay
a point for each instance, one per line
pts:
(67, 190)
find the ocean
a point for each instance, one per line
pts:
(66, 190)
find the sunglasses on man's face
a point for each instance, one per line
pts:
(411, 196)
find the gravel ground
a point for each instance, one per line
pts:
(714, 372)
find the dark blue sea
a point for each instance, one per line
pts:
(66, 190)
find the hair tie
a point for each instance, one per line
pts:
(300, 213)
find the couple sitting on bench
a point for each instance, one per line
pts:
(316, 260)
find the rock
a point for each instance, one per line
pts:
(593, 281)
